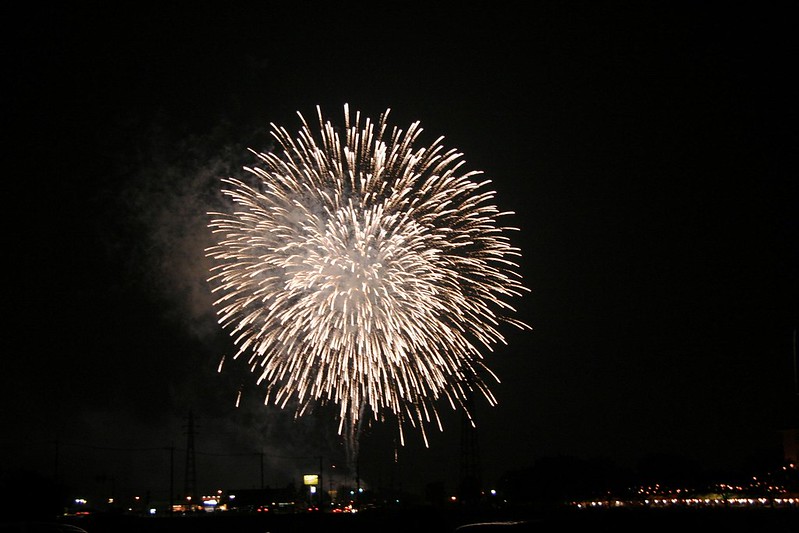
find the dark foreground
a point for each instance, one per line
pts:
(432, 520)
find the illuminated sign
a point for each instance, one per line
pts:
(310, 479)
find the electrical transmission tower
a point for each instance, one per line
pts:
(470, 474)
(190, 479)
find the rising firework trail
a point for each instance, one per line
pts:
(361, 269)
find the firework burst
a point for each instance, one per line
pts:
(361, 269)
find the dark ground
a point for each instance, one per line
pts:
(447, 521)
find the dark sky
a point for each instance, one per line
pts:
(648, 150)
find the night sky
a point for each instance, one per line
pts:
(648, 150)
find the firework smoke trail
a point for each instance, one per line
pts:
(364, 271)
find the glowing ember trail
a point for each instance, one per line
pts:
(364, 271)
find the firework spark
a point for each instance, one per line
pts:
(363, 270)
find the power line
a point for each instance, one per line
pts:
(58, 442)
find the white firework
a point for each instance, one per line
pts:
(364, 270)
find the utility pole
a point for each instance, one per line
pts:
(358, 481)
(55, 464)
(262, 468)
(171, 478)
(321, 484)
(190, 479)
(795, 369)
(470, 475)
